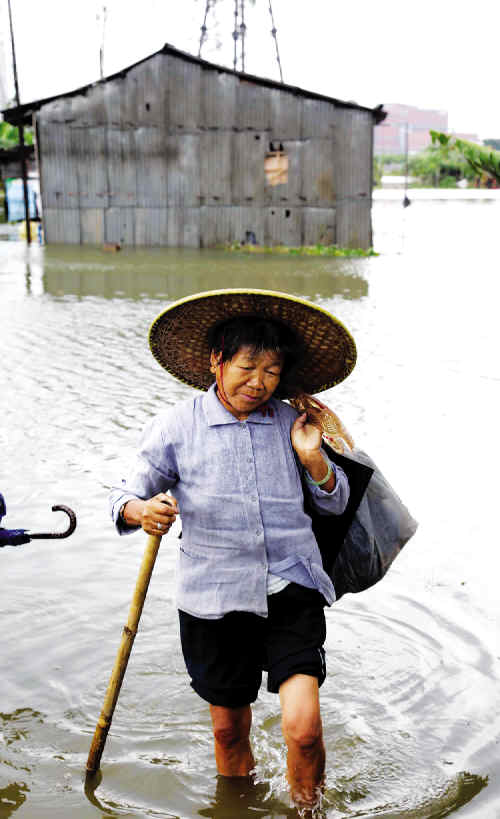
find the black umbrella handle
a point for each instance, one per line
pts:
(57, 535)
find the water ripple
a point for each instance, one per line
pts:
(411, 705)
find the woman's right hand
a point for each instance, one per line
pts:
(155, 515)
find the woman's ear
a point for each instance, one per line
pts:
(214, 361)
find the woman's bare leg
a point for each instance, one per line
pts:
(231, 727)
(302, 730)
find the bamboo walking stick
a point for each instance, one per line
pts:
(120, 666)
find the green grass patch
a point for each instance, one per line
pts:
(304, 250)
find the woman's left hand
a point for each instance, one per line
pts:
(306, 441)
(306, 438)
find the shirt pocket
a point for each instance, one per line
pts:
(218, 522)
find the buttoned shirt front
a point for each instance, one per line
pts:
(240, 495)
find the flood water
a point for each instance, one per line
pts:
(411, 705)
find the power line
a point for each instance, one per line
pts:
(203, 33)
(274, 33)
(239, 33)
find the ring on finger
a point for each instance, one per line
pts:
(159, 526)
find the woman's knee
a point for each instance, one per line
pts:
(230, 736)
(305, 736)
(301, 718)
(230, 726)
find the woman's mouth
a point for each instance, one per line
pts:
(252, 398)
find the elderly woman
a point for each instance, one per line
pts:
(233, 462)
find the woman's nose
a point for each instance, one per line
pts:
(256, 380)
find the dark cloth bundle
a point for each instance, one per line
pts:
(358, 546)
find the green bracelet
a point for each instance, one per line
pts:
(324, 480)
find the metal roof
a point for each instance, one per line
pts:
(22, 114)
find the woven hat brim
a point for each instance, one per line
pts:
(179, 336)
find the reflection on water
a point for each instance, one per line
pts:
(245, 799)
(411, 703)
(15, 727)
(172, 274)
(11, 798)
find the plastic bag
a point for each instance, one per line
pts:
(358, 546)
(381, 526)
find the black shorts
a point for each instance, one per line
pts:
(225, 657)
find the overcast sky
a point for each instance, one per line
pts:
(430, 54)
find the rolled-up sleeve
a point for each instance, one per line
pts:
(153, 470)
(330, 503)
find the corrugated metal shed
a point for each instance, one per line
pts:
(171, 151)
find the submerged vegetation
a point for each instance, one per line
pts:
(304, 250)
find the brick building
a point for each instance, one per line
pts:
(390, 136)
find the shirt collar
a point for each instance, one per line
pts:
(217, 414)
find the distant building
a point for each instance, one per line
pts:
(390, 137)
(177, 151)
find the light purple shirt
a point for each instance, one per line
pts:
(239, 489)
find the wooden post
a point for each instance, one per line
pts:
(24, 166)
(120, 666)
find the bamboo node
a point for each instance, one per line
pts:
(104, 722)
(129, 632)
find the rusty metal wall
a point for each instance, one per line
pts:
(354, 179)
(172, 152)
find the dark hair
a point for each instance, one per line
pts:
(260, 334)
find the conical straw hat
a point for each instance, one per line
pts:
(179, 336)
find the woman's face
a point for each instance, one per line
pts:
(247, 380)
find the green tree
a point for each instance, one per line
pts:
(392, 159)
(441, 166)
(9, 136)
(378, 170)
(480, 159)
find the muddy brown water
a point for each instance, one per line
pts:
(411, 703)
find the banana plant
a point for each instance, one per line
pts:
(481, 159)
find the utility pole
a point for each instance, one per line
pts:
(101, 50)
(21, 136)
(235, 36)
(406, 200)
(243, 29)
